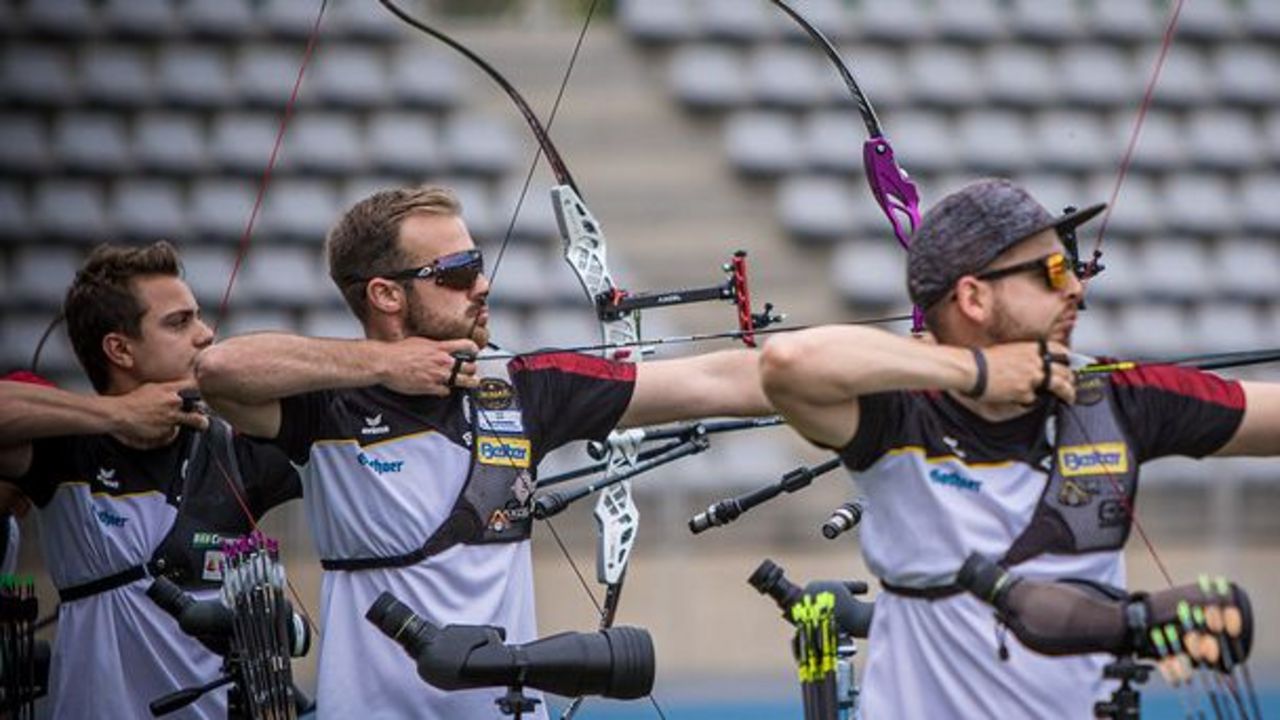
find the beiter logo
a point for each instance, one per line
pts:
(510, 452)
(1096, 459)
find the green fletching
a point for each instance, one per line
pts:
(1223, 588)
(1158, 639)
(1184, 612)
(1204, 585)
(1198, 614)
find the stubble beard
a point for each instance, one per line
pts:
(422, 321)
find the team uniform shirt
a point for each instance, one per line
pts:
(382, 471)
(941, 483)
(104, 507)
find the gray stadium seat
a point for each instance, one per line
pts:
(1262, 19)
(832, 17)
(24, 144)
(894, 20)
(1162, 146)
(484, 221)
(61, 18)
(14, 220)
(139, 18)
(969, 21)
(1200, 203)
(333, 324)
(37, 75)
(299, 210)
(1151, 330)
(880, 74)
(1271, 133)
(1120, 279)
(922, 142)
(832, 141)
(1138, 211)
(477, 143)
(1056, 191)
(19, 335)
(816, 209)
(1260, 203)
(207, 270)
(360, 187)
(1055, 21)
(289, 18)
(657, 21)
(943, 75)
(1208, 20)
(521, 272)
(265, 74)
(425, 77)
(195, 76)
(324, 142)
(72, 210)
(169, 143)
(350, 76)
(281, 276)
(735, 21)
(1020, 75)
(242, 142)
(507, 329)
(705, 77)
(148, 210)
(788, 76)
(91, 142)
(1217, 326)
(870, 272)
(115, 75)
(220, 208)
(1096, 75)
(1173, 269)
(1247, 74)
(1184, 80)
(1247, 268)
(1123, 21)
(1224, 140)
(536, 222)
(364, 21)
(555, 327)
(1094, 332)
(41, 274)
(994, 141)
(221, 19)
(762, 143)
(1074, 141)
(403, 142)
(243, 321)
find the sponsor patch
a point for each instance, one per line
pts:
(510, 422)
(382, 467)
(1112, 513)
(1088, 389)
(1075, 493)
(212, 565)
(109, 519)
(504, 451)
(1097, 459)
(955, 480)
(495, 394)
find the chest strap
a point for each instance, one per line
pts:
(104, 584)
(938, 592)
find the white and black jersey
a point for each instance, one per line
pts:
(103, 508)
(382, 471)
(942, 482)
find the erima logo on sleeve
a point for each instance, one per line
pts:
(373, 426)
(1097, 459)
(505, 451)
(107, 477)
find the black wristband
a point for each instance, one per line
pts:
(1046, 365)
(980, 383)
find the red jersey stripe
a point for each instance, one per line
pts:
(1184, 381)
(576, 364)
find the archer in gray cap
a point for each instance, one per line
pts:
(984, 441)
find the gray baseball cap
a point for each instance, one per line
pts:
(962, 233)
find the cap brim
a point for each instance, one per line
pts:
(1072, 220)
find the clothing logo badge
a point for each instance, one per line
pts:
(373, 426)
(502, 421)
(1074, 493)
(499, 521)
(507, 452)
(954, 479)
(107, 477)
(109, 519)
(954, 444)
(212, 569)
(1112, 513)
(495, 394)
(1088, 389)
(382, 467)
(523, 487)
(1096, 459)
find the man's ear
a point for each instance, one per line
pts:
(119, 350)
(973, 299)
(385, 296)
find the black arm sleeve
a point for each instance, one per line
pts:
(269, 477)
(569, 397)
(53, 461)
(302, 421)
(880, 419)
(1170, 410)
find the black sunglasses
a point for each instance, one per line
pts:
(457, 271)
(1054, 266)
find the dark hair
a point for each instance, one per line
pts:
(365, 243)
(101, 300)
